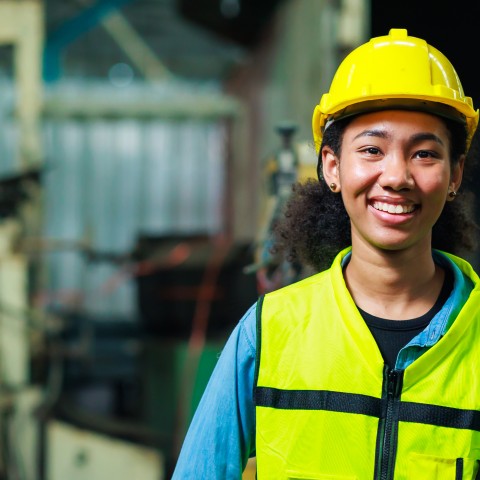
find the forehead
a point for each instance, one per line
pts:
(397, 124)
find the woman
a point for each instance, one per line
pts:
(370, 368)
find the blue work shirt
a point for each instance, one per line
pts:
(221, 436)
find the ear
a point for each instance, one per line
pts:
(456, 177)
(330, 165)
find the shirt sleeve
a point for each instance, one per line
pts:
(221, 436)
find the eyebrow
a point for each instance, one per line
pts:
(418, 137)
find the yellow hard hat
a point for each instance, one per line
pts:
(394, 71)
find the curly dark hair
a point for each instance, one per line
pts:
(316, 226)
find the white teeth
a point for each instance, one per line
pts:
(388, 207)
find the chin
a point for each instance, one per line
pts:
(398, 246)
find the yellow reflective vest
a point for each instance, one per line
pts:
(328, 408)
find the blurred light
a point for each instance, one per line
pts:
(120, 75)
(230, 8)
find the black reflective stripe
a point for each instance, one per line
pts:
(439, 416)
(366, 405)
(318, 400)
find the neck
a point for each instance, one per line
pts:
(397, 285)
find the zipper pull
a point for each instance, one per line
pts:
(395, 378)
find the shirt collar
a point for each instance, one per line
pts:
(441, 322)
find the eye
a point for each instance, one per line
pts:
(426, 154)
(371, 150)
(423, 154)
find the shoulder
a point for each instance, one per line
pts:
(298, 289)
(246, 330)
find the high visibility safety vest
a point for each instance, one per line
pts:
(328, 408)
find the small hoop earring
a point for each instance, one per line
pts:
(452, 194)
(333, 186)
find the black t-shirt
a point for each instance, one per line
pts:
(392, 335)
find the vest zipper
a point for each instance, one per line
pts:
(388, 425)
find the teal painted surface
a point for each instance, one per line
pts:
(174, 381)
(70, 31)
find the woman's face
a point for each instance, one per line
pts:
(394, 175)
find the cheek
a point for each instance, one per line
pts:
(435, 183)
(356, 177)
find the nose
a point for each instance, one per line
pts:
(396, 174)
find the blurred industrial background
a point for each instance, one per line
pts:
(146, 147)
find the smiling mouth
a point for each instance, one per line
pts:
(395, 209)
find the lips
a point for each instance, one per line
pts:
(393, 208)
